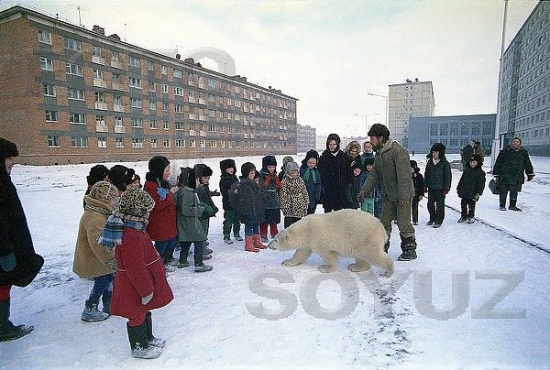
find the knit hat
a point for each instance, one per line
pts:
(157, 164)
(7, 149)
(286, 159)
(246, 168)
(97, 173)
(476, 157)
(103, 191)
(438, 147)
(291, 166)
(369, 160)
(120, 176)
(227, 163)
(135, 203)
(268, 160)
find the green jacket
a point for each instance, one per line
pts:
(189, 211)
(392, 166)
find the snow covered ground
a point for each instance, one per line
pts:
(477, 296)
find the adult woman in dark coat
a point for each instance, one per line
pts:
(19, 263)
(335, 175)
(508, 170)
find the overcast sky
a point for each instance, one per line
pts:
(327, 53)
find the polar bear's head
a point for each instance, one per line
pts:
(283, 241)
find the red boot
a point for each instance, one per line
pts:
(249, 245)
(273, 230)
(263, 230)
(258, 242)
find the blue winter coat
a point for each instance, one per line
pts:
(313, 186)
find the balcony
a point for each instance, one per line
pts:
(202, 101)
(202, 118)
(100, 105)
(117, 86)
(98, 60)
(120, 130)
(246, 136)
(202, 133)
(99, 83)
(192, 116)
(101, 128)
(118, 108)
(116, 64)
(192, 133)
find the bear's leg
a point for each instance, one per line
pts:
(299, 257)
(330, 258)
(359, 265)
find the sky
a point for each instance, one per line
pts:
(476, 296)
(329, 54)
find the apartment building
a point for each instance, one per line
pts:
(524, 106)
(406, 100)
(73, 95)
(306, 138)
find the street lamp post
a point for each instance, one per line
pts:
(366, 120)
(386, 107)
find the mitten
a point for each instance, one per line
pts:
(530, 177)
(8, 262)
(146, 299)
(162, 192)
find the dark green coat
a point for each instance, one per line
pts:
(189, 212)
(510, 166)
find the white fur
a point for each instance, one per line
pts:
(348, 232)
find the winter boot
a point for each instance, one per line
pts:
(258, 242)
(184, 252)
(8, 331)
(273, 230)
(408, 246)
(238, 238)
(156, 342)
(106, 299)
(263, 231)
(502, 205)
(227, 239)
(513, 206)
(203, 268)
(249, 245)
(92, 314)
(137, 335)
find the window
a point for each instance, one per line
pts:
(153, 124)
(177, 73)
(178, 108)
(116, 78)
(135, 82)
(179, 126)
(165, 107)
(152, 105)
(136, 122)
(73, 44)
(98, 74)
(46, 64)
(152, 86)
(136, 103)
(154, 143)
(100, 120)
(151, 66)
(166, 125)
(96, 51)
(117, 100)
(77, 118)
(53, 141)
(178, 91)
(433, 129)
(211, 143)
(164, 89)
(114, 56)
(49, 90)
(51, 116)
(137, 143)
(45, 37)
(180, 143)
(166, 143)
(102, 142)
(443, 129)
(192, 143)
(73, 69)
(119, 142)
(211, 128)
(133, 62)
(476, 129)
(211, 83)
(75, 94)
(164, 70)
(99, 97)
(79, 142)
(118, 121)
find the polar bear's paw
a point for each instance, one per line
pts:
(358, 267)
(290, 263)
(327, 268)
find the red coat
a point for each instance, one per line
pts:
(140, 272)
(162, 220)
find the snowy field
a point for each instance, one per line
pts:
(476, 297)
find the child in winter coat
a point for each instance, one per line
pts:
(190, 228)
(358, 178)
(247, 197)
(230, 216)
(373, 202)
(294, 196)
(470, 187)
(97, 173)
(312, 179)
(272, 185)
(282, 173)
(419, 186)
(438, 179)
(203, 173)
(140, 281)
(92, 260)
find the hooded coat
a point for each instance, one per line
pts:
(335, 177)
(471, 182)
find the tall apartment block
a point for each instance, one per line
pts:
(524, 107)
(71, 95)
(306, 138)
(405, 100)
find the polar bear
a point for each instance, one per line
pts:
(348, 232)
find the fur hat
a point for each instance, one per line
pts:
(246, 168)
(414, 164)
(136, 203)
(291, 166)
(312, 153)
(187, 178)
(97, 173)
(202, 170)
(356, 164)
(378, 130)
(369, 160)
(103, 191)
(438, 147)
(478, 158)
(269, 160)
(7, 149)
(121, 176)
(227, 163)
(353, 145)
(157, 164)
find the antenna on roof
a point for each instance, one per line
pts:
(80, 9)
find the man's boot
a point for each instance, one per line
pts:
(408, 246)
(8, 331)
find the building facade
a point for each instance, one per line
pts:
(452, 131)
(524, 106)
(71, 95)
(306, 138)
(406, 100)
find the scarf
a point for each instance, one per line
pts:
(309, 172)
(96, 209)
(111, 236)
